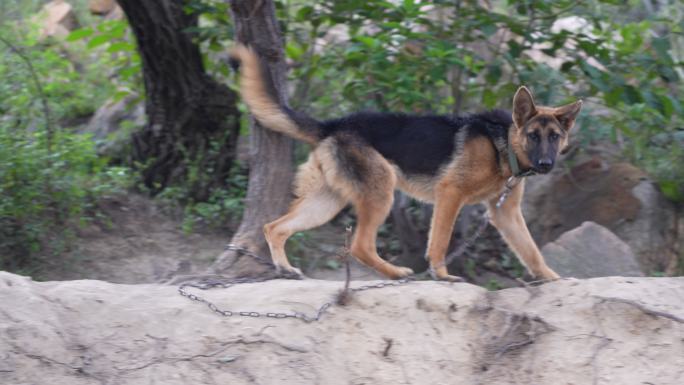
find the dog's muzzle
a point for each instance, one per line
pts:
(543, 165)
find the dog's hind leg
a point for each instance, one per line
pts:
(508, 219)
(370, 214)
(374, 180)
(309, 211)
(316, 205)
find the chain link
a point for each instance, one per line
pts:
(508, 187)
(212, 283)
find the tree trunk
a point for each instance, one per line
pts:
(193, 121)
(271, 154)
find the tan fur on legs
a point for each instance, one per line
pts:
(307, 212)
(370, 215)
(508, 219)
(372, 200)
(317, 204)
(448, 203)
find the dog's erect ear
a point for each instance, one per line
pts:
(523, 107)
(567, 114)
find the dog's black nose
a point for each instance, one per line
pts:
(545, 164)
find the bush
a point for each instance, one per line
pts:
(51, 176)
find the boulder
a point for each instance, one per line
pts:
(113, 122)
(109, 9)
(600, 331)
(591, 250)
(58, 19)
(617, 196)
(101, 7)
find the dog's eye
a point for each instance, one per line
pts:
(553, 136)
(533, 137)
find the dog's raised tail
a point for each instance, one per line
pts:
(260, 96)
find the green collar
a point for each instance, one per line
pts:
(513, 164)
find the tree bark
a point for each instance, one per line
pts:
(193, 121)
(271, 154)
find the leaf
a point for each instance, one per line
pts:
(367, 41)
(489, 29)
(121, 46)
(304, 13)
(98, 41)
(119, 95)
(493, 73)
(294, 50)
(489, 98)
(632, 95)
(514, 49)
(117, 29)
(79, 34)
(671, 190)
(128, 72)
(567, 66)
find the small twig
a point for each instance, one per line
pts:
(344, 294)
(644, 309)
(389, 342)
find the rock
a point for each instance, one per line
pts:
(58, 19)
(112, 124)
(617, 196)
(109, 9)
(101, 7)
(591, 250)
(601, 331)
(654, 233)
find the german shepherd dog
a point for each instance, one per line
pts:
(450, 161)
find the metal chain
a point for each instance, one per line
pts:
(212, 283)
(508, 187)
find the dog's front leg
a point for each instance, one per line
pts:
(508, 219)
(448, 202)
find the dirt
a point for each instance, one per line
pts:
(136, 241)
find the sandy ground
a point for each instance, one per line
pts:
(599, 331)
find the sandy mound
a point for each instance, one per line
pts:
(597, 331)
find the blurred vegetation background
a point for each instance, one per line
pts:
(58, 160)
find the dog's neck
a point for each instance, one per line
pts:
(507, 154)
(514, 165)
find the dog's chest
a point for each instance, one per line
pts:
(488, 190)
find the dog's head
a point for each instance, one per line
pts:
(540, 133)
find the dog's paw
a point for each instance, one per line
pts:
(549, 275)
(403, 272)
(451, 278)
(289, 272)
(442, 275)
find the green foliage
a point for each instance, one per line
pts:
(222, 209)
(493, 285)
(113, 42)
(47, 193)
(51, 176)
